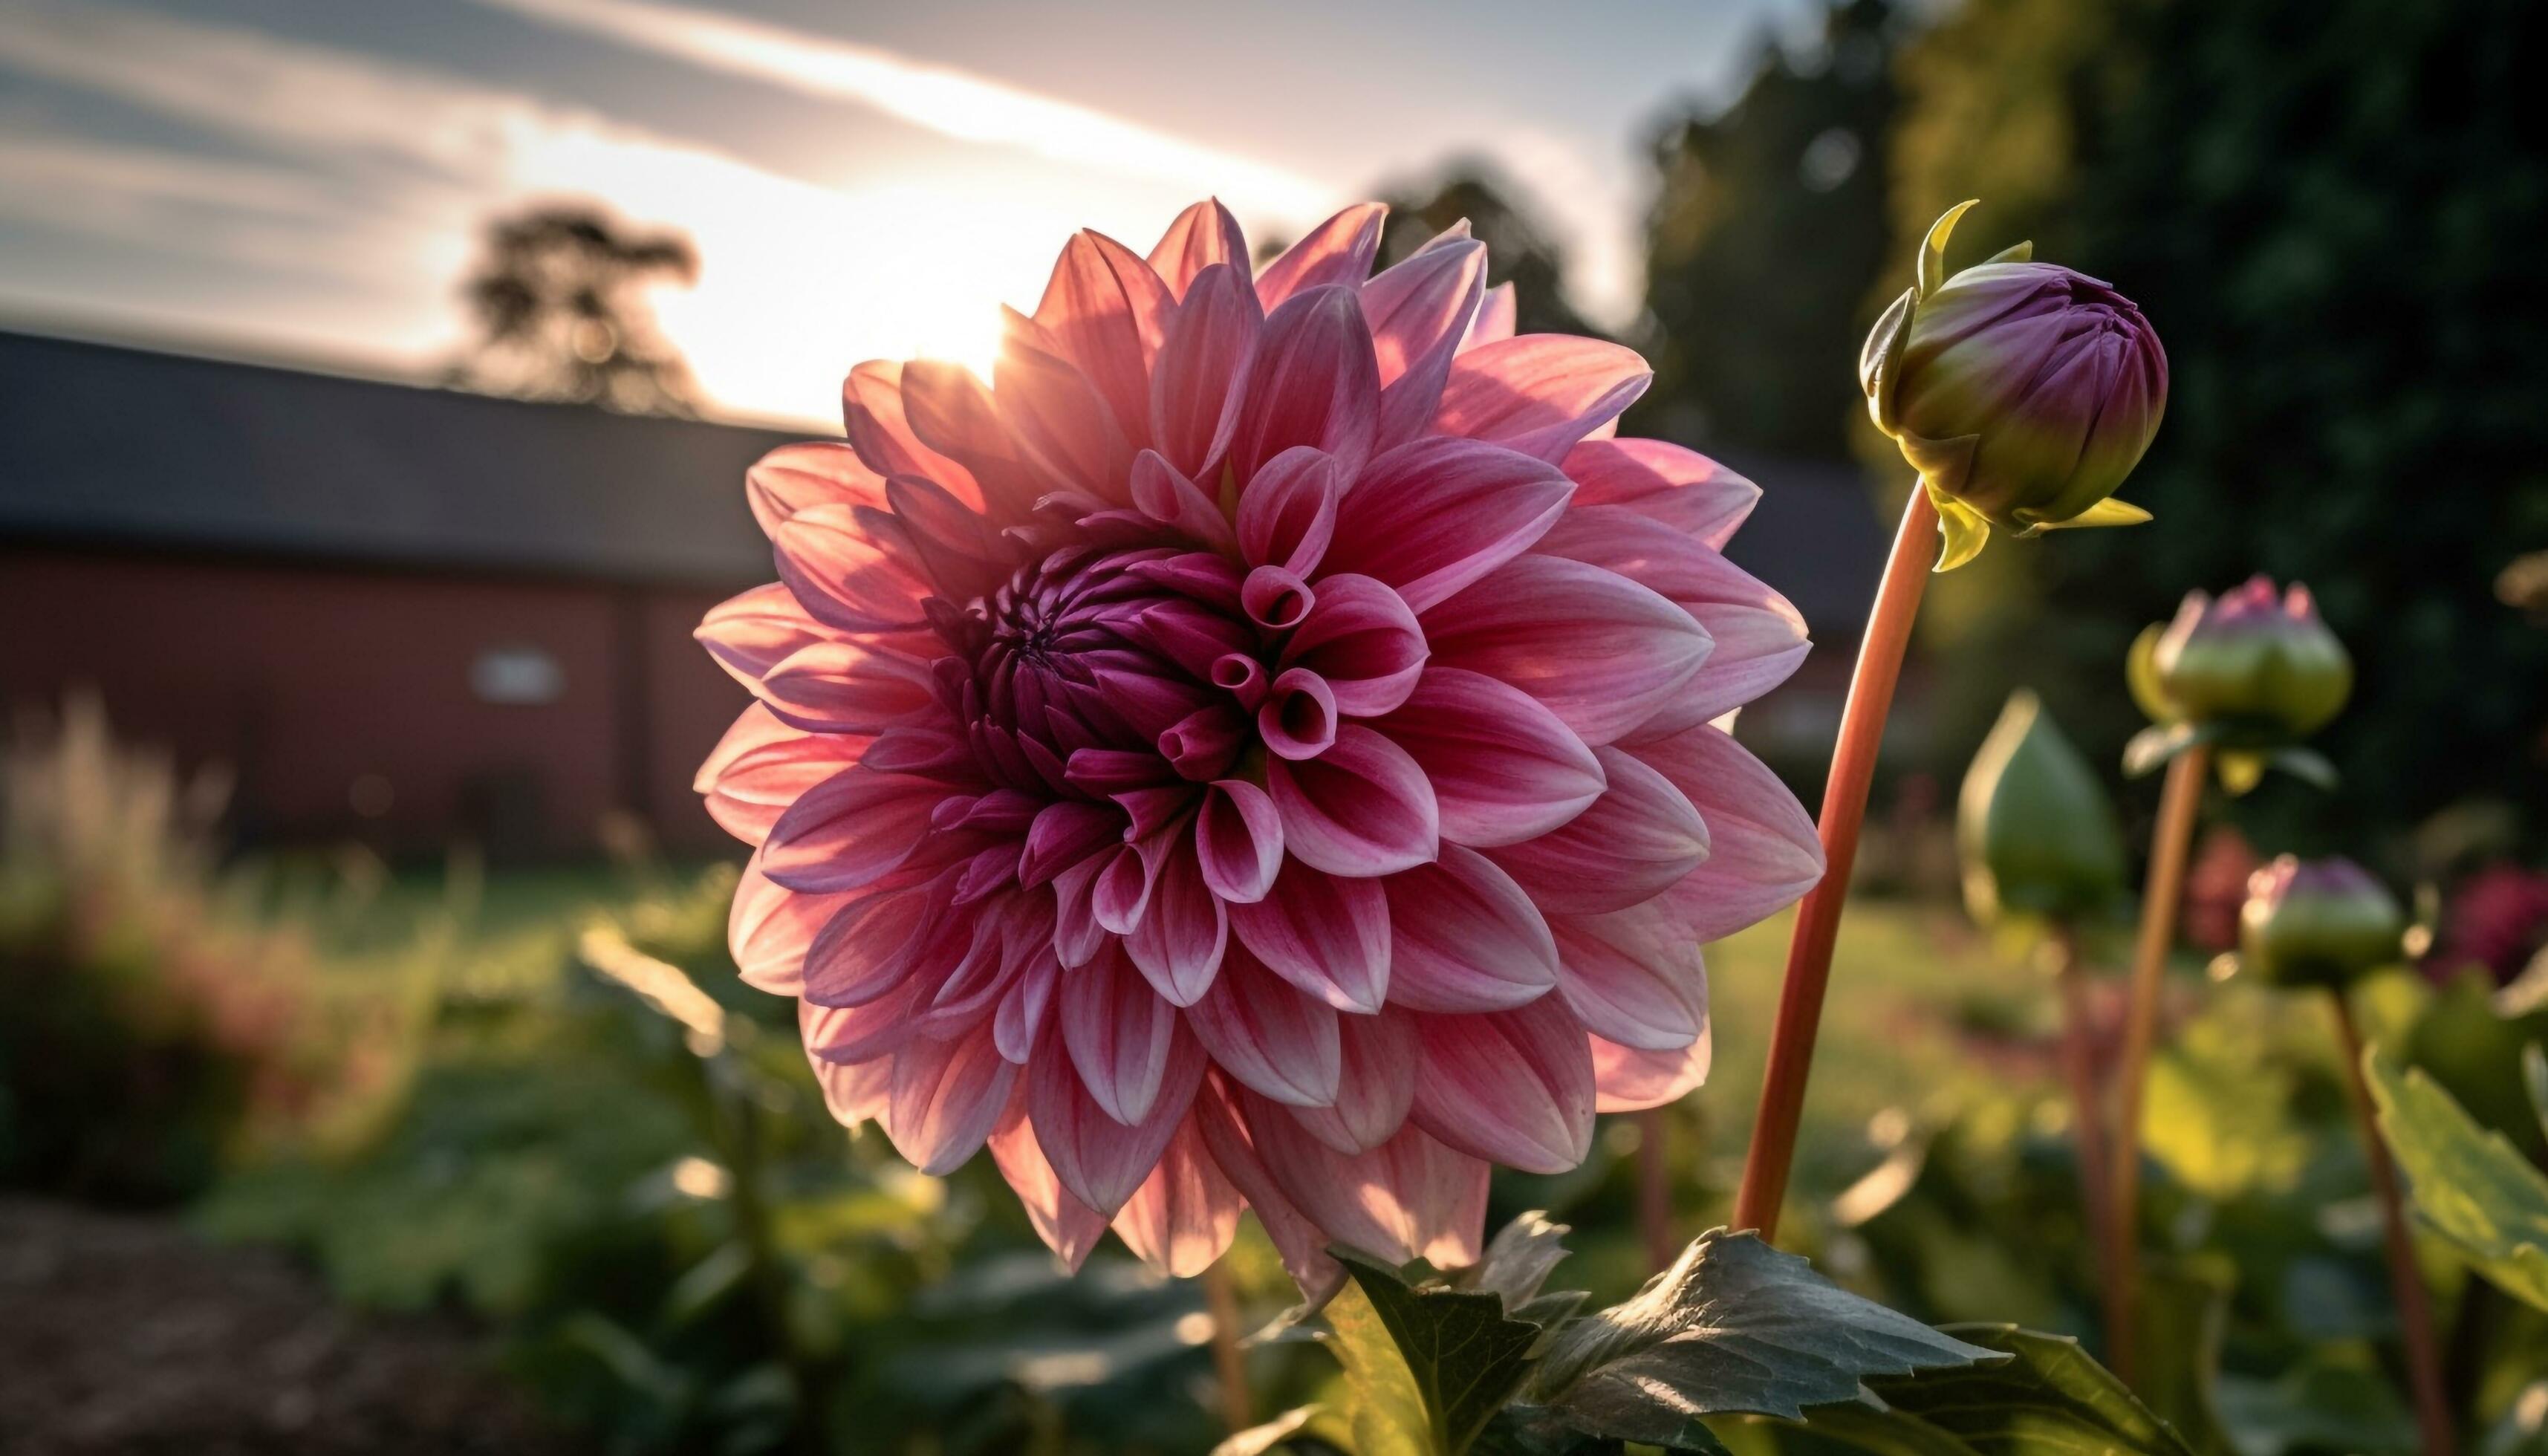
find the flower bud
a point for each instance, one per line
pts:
(2024, 392)
(2317, 923)
(2265, 672)
(2034, 828)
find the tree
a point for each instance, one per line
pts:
(560, 296)
(1517, 251)
(1765, 239)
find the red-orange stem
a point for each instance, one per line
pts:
(2088, 1133)
(1809, 952)
(1654, 1190)
(2171, 846)
(1229, 1361)
(2405, 1281)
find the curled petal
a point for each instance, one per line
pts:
(1633, 976)
(1763, 854)
(1287, 515)
(1513, 1087)
(1238, 841)
(808, 473)
(1065, 832)
(1666, 483)
(1361, 639)
(1184, 1214)
(1632, 1081)
(1019, 1019)
(945, 1098)
(1463, 938)
(1099, 1161)
(1375, 1084)
(1314, 382)
(1504, 768)
(849, 829)
(1299, 717)
(1435, 515)
(1163, 493)
(1540, 393)
(1201, 377)
(1181, 938)
(1276, 600)
(1600, 651)
(1069, 1227)
(1640, 838)
(1338, 251)
(1269, 1036)
(1361, 808)
(1325, 934)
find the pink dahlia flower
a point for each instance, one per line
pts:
(1258, 752)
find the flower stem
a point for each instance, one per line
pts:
(1809, 951)
(2406, 1282)
(2087, 1105)
(2161, 893)
(1654, 1188)
(1228, 1362)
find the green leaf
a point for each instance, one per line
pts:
(2107, 512)
(2471, 1186)
(1517, 1261)
(2307, 765)
(1962, 530)
(2046, 1397)
(2015, 252)
(1933, 250)
(2184, 1312)
(1734, 1325)
(1427, 1366)
(1880, 359)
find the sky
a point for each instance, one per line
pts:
(305, 178)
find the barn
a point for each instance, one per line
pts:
(417, 617)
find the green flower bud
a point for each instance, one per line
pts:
(2317, 923)
(2034, 827)
(2262, 672)
(2024, 392)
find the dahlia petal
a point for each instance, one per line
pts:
(1077, 934)
(1758, 638)
(1185, 1213)
(1065, 832)
(1104, 310)
(1463, 938)
(871, 410)
(1632, 1080)
(1287, 515)
(849, 829)
(849, 1035)
(799, 477)
(924, 753)
(1162, 493)
(761, 766)
(1338, 251)
(1539, 393)
(1117, 1030)
(947, 1097)
(1268, 1035)
(1202, 235)
(1069, 1227)
(972, 985)
(1197, 574)
(1497, 313)
(769, 927)
(848, 576)
(1019, 1016)
(1764, 853)
(1640, 838)
(1238, 841)
(1242, 677)
(1513, 1087)
(1300, 1242)
(1206, 741)
(1325, 933)
(1122, 893)
(1361, 808)
(1601, 652)
(1419, 311)
(874, 941)
(1101, 1160)
(1298, 719)
(1435, 515)
(950, 411)
(1504, 768)
(1633, 976)
(1179, 943)
(1200, 380)
(1410, 1197)
(962, 553)
(1276, 600)
(750, 633)
(854, 1092)
(1375, 1084)
(1064, 430)
(1361, 639)
(1663, 482)
(1315, 382)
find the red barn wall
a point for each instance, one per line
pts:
(320, 686)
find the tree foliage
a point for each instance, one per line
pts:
(559, 294)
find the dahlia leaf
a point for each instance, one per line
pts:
(1428, 1365)
(2472, 1186)
(2044, 1394)
(1517, 1261)
(1734, 1327)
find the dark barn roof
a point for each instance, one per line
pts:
(102, 445)
(1815, 537)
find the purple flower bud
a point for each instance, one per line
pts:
(2261, 667)
(2056, 378)
(2317, 923)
